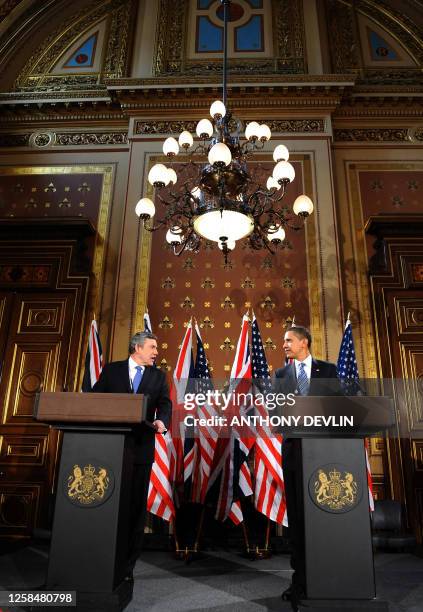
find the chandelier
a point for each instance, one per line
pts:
(220, 201)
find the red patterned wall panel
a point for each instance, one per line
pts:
(51, 195)
(275, 286)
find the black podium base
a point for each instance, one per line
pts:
(344, 605)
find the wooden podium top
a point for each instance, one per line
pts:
(74, 407)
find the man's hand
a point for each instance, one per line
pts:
(159, 426)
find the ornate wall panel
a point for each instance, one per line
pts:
(40, 72)
(83, 191)
(346, 48)
(18, 449)
(397, 308)
(275, 287)
(173, 36)
(43, 304)
(374, 188)
(388, 188)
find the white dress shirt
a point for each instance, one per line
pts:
(307, 366)
(132, 365)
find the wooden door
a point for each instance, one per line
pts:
(42, 315)
(397, 292)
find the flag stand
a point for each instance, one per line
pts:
(256, 554)
(266, 552)
(188, 554)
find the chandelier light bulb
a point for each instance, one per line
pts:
(281, 153)
(158, 175)
(172, 238)
(185, 140)
(283, 171)
(217, 110)
(303, 206)
(145, 208)
(252, 131)
(264, 132)
(173, 177)
(204, 128)
(170, 147)
(272, 184)
(220, 155)
(276, 237)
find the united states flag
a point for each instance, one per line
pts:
(93, 359)
(348, 374)
(206, 435)
(269, 490)
(160, 501)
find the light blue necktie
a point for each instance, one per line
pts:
(303, 384)
(137, 379)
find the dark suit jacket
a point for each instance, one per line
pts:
(115, 379)
(324, 379)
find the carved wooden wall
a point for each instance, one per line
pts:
(397, 299)
(44, 278)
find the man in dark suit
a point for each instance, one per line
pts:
(304, 375)
(139, 375)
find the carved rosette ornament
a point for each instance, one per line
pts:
(42, 140)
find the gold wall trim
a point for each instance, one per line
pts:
(43, 139)
(379, 134)
(316, 288)
(277, 126)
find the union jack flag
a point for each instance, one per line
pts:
(232, 450)
(93, 359)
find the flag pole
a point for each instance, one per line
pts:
(245, 534)
(199, 529)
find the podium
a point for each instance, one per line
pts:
(89, 543)
(337, 524)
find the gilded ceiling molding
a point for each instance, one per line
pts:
(396, 23)
(345, 41)
(383, 134)
(170, 55)
(46, 139)
(54, 117)
(35, 74)
(7, 7)
(285, 80)
(277, 126)
(14, 140)
(343, 37)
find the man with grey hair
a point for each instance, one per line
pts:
(137, 374)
